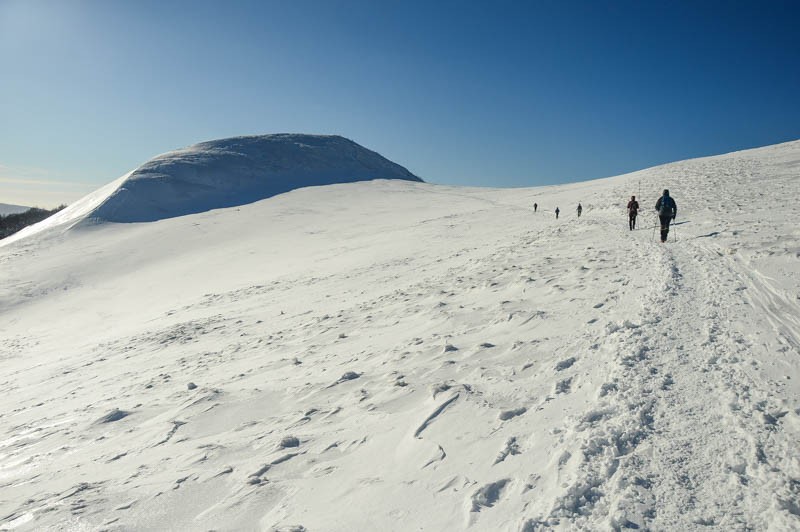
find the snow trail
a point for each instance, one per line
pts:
(683, 398)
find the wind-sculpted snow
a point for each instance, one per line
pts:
(394, 355)
(240, 170)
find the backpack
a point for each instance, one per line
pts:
(666, 206)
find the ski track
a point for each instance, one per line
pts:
(541, 375)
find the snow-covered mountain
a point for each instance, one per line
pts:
(397, 355)
(240, 170)
(6, 209)
(225, 173)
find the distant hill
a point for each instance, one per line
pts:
(6, 208)
(17, 221)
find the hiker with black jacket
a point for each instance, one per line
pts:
(667, 210)
(633, 210)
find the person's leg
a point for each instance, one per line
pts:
(664, 227)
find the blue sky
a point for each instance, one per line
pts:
(475, 93)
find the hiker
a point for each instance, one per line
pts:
(633, 210)
(535, 206)
(579, 209)
(667, 210)
(557, 211)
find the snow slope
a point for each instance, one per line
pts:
(402, 356)
(6, 209)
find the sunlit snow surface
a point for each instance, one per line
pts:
(393, 355)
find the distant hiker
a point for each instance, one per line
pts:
(667, 210)
(633, 210)
(579, 209)
(535, 206)
(557, 211)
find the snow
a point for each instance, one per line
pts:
(6, 209)
(223, 173)
(397, 355)
(68, 217)
(239, 170)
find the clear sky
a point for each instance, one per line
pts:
(489, 93)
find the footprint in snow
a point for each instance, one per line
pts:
(532, 525)
(348, 376)
(511, 448)
(564, 364)
(564, 386)
(439, 388)
(608, 388)
(114, 415)
(289, 441)
(505, 415)
(488, 495)
(255, 477)
(564, 458)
